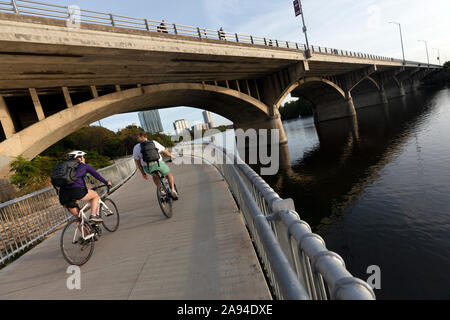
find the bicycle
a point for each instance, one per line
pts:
(79, 236)
(164, 194)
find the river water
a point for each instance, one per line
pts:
(378, 191)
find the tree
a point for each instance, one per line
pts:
(295, 109)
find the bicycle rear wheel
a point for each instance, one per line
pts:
(110, 215)
(165, 202)
(75, 250)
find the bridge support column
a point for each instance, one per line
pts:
(5, 119)
(383, 96)
(37, 104)
(335, 110)
(272, 122)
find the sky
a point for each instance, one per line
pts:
(361, 26)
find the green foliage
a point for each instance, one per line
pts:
(30, 176)
(295, 109)
(439, 78)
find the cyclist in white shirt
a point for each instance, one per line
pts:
(160, 165)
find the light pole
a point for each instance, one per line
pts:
(299, 11)
(439, 56)
(426, 47)
(401, 39)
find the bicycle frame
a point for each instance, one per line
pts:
(81, 214)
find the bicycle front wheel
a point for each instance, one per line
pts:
(74, 248)
(165, 202)
(110, 215)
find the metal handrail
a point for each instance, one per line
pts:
(296, 261)
(26, 220)
(45, 9)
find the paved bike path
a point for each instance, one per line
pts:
(203, 252)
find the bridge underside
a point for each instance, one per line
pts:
(54, 80)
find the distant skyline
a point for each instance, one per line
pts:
(361, 26)
(168, 117)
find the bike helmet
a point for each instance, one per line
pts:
(75, 154)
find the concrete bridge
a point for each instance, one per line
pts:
(55, 79)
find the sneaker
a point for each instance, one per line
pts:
(96, 219)
(174, 195)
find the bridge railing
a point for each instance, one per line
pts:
(41, 9)
(27, 220)
(296, 261)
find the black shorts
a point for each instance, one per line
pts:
(68, 197)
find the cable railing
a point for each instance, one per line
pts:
(295, 260)
(27, 220)
(75, 14)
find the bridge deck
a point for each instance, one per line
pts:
(203, 252)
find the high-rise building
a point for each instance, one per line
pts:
(151, 121)
(180, 126)
(207, 116)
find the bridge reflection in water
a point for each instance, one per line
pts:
(369, 189)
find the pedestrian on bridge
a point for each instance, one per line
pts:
(162, 27)
(222, 34)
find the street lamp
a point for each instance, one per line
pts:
(299, 11)
(426, 47)
(439, 56)
(401, 39)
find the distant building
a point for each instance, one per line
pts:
(151, 121)
(200, 127)
(180, 126)
(207, 116)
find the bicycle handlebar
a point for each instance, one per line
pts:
(102, 186)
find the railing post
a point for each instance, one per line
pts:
(276, 41)
(265, 41)
(199, 33)
(296, 45)
(237, 38)
(175, 28)
(112, 20)
(146, 25)
(251, 39)
(287, 44)
(14, 4)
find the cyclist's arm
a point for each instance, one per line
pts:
(96, 175)
(168, 154)
(139, 166)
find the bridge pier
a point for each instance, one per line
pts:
(335, 110)
(273, 122)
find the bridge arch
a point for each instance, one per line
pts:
(329, 99)
(234, 105)
(367, 92)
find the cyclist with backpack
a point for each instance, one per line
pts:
(69, 176)
(147, 155)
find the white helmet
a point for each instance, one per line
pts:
(75, 154)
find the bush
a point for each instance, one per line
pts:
(31, 176)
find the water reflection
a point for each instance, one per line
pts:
(376, 188)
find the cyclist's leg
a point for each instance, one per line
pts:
(156, 180)
(93, 197)
(171, 181)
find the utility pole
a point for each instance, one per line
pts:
(401, 39)
(299, 11)
(426, 47)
